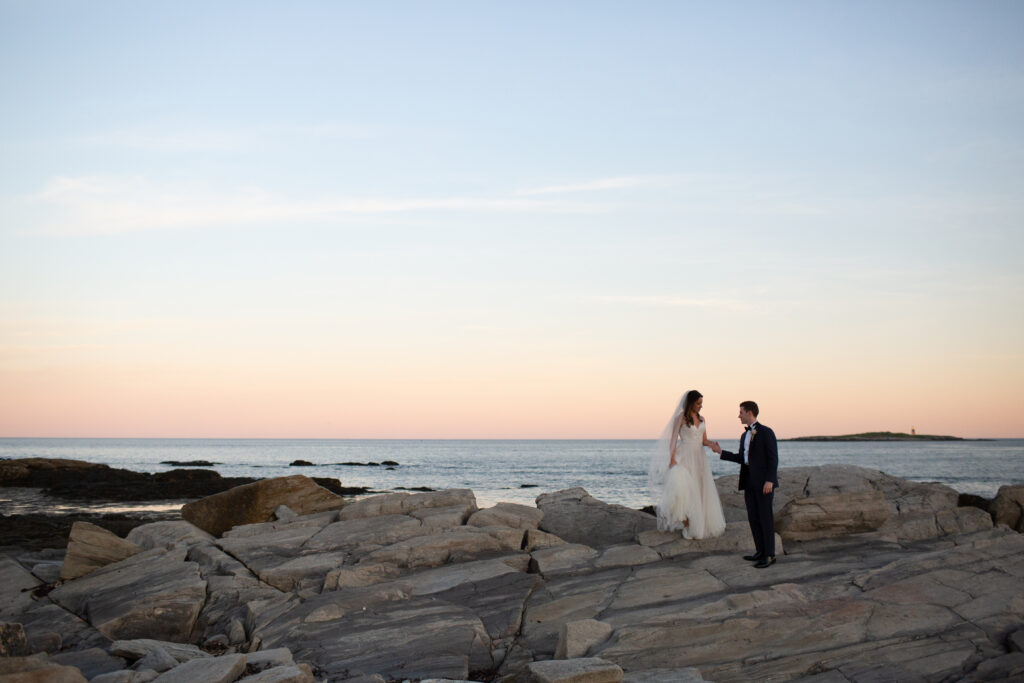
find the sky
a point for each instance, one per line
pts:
(509, 220)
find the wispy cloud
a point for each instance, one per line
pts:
(165, 139)
(619, 183)
(110, 205)
(667, 301)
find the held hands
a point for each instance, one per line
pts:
(715, 447)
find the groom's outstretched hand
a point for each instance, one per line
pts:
(715, 448)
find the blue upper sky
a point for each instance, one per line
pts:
(643, 194)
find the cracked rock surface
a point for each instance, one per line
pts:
(882, 579)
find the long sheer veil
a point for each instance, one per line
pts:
(657, 473)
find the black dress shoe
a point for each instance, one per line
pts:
(753, 558)
(765, 562)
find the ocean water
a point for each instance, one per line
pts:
(519, 470)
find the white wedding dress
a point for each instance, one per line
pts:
(689, 492)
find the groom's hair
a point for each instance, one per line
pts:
(750, 407)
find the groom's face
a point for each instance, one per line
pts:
(746, 417)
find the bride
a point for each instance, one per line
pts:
(680, 478)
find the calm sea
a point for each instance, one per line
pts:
(518, 470)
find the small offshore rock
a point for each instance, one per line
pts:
(189, 463)
(301, 463)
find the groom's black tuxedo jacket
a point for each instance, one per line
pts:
(763, 459)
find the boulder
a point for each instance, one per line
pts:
(577, 517)
(832, 515)
(225, 669)
(157, 659)
(91, 547)
(13, 642)
(155, 593)
(37, 669)
(1008, 507)
(508, 514)
(256, 502)
(577, 637)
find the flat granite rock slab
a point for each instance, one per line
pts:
(583, 670)
(413, 638)
(427, 581)
(16, 584)
(155, 593)
(375, 531)
(51, 628)
(498, 601)
(167, 533)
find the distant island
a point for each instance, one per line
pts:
(878, 436)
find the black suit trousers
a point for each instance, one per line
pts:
(761, 518)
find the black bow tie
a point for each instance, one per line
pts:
(747, 428)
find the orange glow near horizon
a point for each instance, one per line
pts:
(512, 399)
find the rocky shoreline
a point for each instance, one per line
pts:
(284, 580)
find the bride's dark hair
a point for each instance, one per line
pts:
(691, 398)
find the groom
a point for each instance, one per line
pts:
(759, 463)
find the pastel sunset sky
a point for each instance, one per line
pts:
(510, 220)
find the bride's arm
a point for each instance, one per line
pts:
(713, 445)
